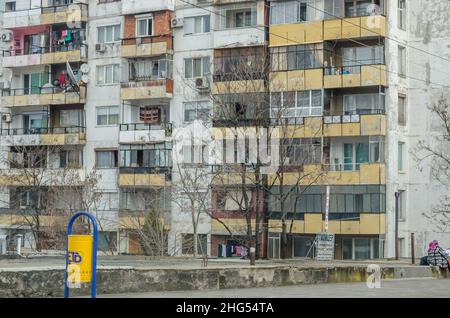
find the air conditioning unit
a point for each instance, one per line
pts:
(6, 36)
(202, 85)
(100, 47)
(176, 22)
(7, 118)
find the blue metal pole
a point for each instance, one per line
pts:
(94, 253)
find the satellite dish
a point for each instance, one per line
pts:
(85, 78)
(84, 68)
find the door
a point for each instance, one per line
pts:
(274, 248)
(34, 123)
(32, 83)
(362, 154)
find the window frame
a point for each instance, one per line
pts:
(108, 116)
(401, 16)
(196, 109)
(114, 30)
(113, 159)
(203, 60)
(115, 71)
(147, 18)
(203, 24)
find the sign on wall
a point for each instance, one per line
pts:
(325, 247)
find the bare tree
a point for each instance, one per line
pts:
(435, 153)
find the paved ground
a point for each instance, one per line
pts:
(58, 262)
(406, 288)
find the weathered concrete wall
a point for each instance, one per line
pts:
(49, 283)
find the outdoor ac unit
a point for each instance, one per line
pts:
(100, 47)
(6, 36)
(201, 84)
(7, 118)
(176, 22)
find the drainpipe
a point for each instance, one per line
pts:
(397, 195)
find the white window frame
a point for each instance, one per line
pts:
(274, 110)
(202, 17)
(401, 61)
(147, 18)
(202, 62)
(104, 68)
(111, 159)
(108, 115)
(195, 107)
(114, 30)
(401, 157)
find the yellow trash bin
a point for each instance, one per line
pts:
(80, 258)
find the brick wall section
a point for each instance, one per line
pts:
(161, 28)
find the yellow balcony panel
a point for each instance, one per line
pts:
(332, 81)
(313, 79)
(145, 92)
(296, 33)
(74, 56)
(60, 57)
(350, 227)
(142, 180)
(53, 139)
(351, 27)
(236, 225)
(144, 50)
(373, 125)
(334, 227)
(351, 129)
(61, 17)
(298, 226)
(58, 98)
(230, 178)
(373, 173)
(373, 75)
(332, 29)
(136, 221)
(252, 86)
(313, 127)
(351, 80)
(295, 80)
(278, 81)
(341, 178)
(382, 223)
(48, 18)
(47, 58)
(313, 223)
(369, 223)
(332, 130)
(72, 98)
(292, 131)
(128, 51)
(373, 26)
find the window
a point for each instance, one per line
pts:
(363, 55)
(401, 204)
(107, 115)
(401, 61)
(144, 26)
(106, 158)
(70, 118)
(71, 159)
(360, 104)
(296, 104)
(402, 111)
(401, 156)
(195, 25)
(240, 18)
(296, 57)
(301, 151)
(108, 34)
(150, 69)
(290, 12)
(108, 74)
(194, 154)
(196, 67)
(402, 14)
(10, 6)
(146, 156)
(196, 111)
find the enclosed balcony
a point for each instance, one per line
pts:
(145, 165)
(135, 6)
(148, 79)
(46, 12)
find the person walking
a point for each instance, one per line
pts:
(437, 256)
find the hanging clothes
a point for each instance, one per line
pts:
(219, 250)
(68, 36)
(224, 250)
(229, 248)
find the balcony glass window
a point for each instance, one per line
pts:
(363, 104)
(292, 11)
(301, 151)
(239, 64)
(70, 159)
(296, 104)
(358, 8)
(70, 118)
(363, 55)
(196, 25)
(196, 67)
(144, 26)
(296, 57)
(108, 34)
(150, 69)
(151, 156)
(236, 16)
(239, 106)
(33, 123)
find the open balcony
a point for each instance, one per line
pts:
(146, 46)
(41, 96)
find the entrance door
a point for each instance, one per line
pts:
(274, 247)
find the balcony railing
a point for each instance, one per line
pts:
(348, 69)
(34, 90)
(147, 126)
(42, 130)
(43, 50)
(146, 39)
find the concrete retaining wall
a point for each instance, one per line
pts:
(49, 283)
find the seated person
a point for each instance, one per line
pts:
(437, 256)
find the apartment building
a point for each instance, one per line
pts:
(99, 91)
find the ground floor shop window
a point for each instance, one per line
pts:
(360, 248)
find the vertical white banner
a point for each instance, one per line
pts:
(327, 208)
